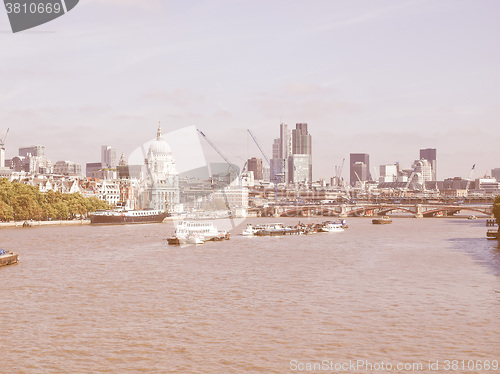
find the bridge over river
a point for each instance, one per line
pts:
(370, 209)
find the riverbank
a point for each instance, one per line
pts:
(45, 223)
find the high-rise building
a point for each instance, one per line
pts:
(255, 165)
(91, 167)
(495, 173)
(360, 171)
(33, 151)
(423, 171)
(281, 152)
(388, 173)
(300, 160)
(67, 168)
(300, 170)
(108, 157)
(363, 172)
(429, 154)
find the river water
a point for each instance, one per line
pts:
(116, 299)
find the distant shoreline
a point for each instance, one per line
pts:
(46, 223)
(75, 222)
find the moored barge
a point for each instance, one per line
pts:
(8, 258)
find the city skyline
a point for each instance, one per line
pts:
(366, 77)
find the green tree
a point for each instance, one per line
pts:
(496, 211)
(6, 212)
(25, 207)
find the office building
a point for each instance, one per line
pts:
(91, 167)
(300, 160)
(282, 148)
(388, 173)
(363, 172)
(423, 171)
(495, 173)
(32, 151)
(255, 165)
(108, 157)
(67, 168)
(429, 154)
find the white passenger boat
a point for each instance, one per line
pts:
(331, 227)
(250, 230)
(196, 232)
(195, 239)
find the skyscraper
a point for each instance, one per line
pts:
(108, 157)
(300, 160)
(356, 168)
(281, 151)
(255, 165)
(429, 154)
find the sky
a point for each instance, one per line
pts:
(386, 78)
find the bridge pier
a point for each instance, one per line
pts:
(276, 212)
(343, 211)
(418, 210)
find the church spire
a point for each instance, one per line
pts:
(158, 134)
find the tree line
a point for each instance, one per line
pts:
(496, 211)
(19, 202)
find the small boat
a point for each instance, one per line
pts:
(472, 217)
(492, 234)
(173, 240)
(331, 227)
(382, 220)
(8, 257)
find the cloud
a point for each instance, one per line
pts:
(179, 98)
(151, 5)
(303, 89)
(309, 108)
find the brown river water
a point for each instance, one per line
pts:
(119, 299)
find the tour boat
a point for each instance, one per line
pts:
(196, 232)
(331, 227)
(250, 230)
(121, 217)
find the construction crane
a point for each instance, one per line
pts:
(2, 150)
(228, 207)
(338, 172)
(469, 179)
(271, 171)
(260, 148)
(2, 141)
(232, 166)
(408, 183)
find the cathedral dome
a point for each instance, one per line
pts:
(160, 147)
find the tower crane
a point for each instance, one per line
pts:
(271, 171)
(469, 179)
(260, 148)
(2, 141)
(231, 166)
(408, 183)
(2, 149)
(338, 172)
